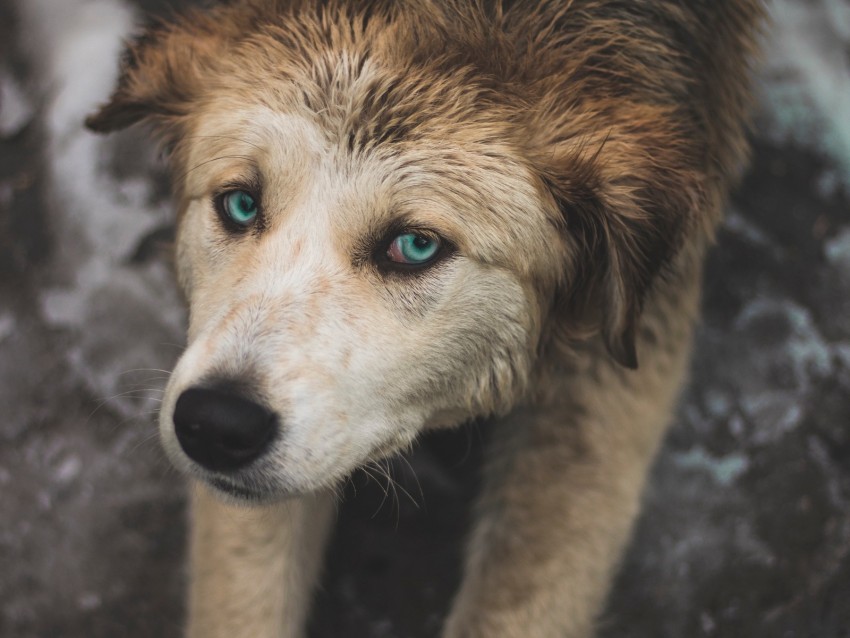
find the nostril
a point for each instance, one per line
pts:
(188, 432)
(222, 430)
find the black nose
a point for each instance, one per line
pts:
(222, 430)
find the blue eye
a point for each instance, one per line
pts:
(413, 249)
(240, 207)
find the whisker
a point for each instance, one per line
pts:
(394, 485)
(166, 372)
(147, 439)
(365, 469)
(134, 419)
(403, 458)
(133, 394)
(390, 487)
(179, 346)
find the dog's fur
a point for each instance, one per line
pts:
(575, 154)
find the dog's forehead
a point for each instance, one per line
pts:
(291, 144)
(360, 96)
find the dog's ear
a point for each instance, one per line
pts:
(625, 215)
(162, 71)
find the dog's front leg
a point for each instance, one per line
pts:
(562, 489)
(253, 568)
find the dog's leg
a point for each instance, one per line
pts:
(253, 569)
(562, 489)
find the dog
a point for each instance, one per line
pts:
(397, 216)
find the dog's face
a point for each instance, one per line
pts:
(360, 295)
(371, 244)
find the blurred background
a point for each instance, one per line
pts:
(746, 525)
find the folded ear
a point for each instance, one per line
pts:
(638, 239)
(626, 209)
(162, 71)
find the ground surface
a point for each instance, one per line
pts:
(746, 528)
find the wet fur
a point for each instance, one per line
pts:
(576, 153)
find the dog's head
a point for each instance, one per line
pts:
(389, 210)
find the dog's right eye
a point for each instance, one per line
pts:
(238, 207)
(413, 249)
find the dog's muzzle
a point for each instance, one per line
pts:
(222, 430)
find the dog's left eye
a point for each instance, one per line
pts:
(239, 207)
(413, 249)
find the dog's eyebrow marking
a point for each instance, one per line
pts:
(225, 137)
(215, 159)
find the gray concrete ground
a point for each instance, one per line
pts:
(746, 526)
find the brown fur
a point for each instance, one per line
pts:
(599, 139)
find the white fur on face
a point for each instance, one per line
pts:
(354, 360)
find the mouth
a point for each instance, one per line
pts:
(239, 492)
